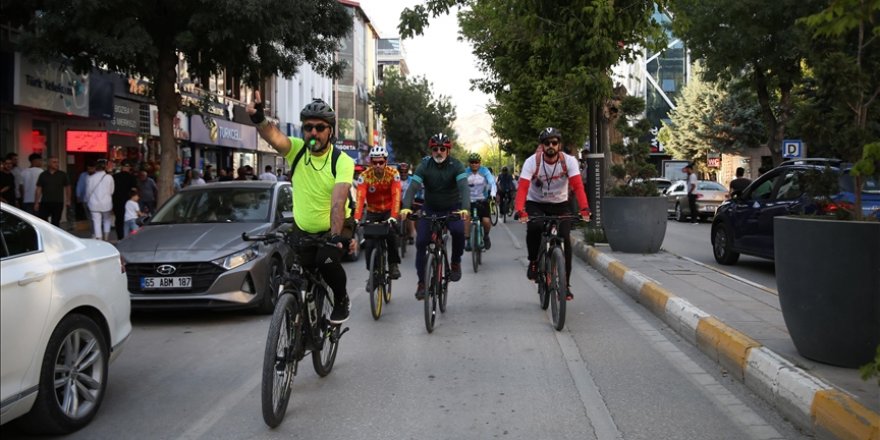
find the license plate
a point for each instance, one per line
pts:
(166, 282)
(710, 208)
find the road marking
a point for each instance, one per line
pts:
(752, 423)
(221, 408)
(516, 243)
(727, 274)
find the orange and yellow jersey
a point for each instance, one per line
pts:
(379, 194)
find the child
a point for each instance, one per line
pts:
(132, 212)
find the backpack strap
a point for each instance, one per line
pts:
(538, 157)
(334, 158)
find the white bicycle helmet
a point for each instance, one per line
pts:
(378, 151)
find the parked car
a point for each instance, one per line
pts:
(65, 317)
(744, 224)
(190, 254)
(710, 195)
(661, 183)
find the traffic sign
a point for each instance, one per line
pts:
(792, 148)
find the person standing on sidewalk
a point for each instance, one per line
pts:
(740, 183)
(53, 193)
(7, 183)
(81, 185)
(268, 175)
(123, 182)
(29, 183)
(99, 194)
(132, 212)
(692, 192)
(148, 192)
(16, 172)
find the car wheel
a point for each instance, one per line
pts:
(73, 378)
(722, 245)
(679, 215)
(273, 287)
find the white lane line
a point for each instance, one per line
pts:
(516, 243)
(752, 423)
(727, 274)
(220, 408)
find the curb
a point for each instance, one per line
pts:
(807, 401)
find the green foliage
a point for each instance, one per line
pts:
(871, 369)
(593, 235)
(634, 174)
(412, 114)
(869, 164)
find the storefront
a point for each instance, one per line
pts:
(224, 139)
(181, 136)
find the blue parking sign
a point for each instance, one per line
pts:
(792, 148)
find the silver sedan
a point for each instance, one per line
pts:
(710, 195)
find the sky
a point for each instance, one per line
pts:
(446, 62)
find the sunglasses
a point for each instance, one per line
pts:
(440, 149)
(378, 162)
(549, 143)
(319, 127)
(475, 162)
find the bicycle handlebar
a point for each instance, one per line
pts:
(566, 217)
(273, 237)
(435, 217)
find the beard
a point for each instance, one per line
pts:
(550, 152)
(439, 159)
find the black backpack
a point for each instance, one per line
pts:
(334, 159)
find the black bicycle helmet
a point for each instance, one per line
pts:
(440, 140)
(548, 133)
(318, 109)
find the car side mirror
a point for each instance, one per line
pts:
(287, 217)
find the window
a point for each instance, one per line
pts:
(763, 190)
(790, 188)
(19, 237)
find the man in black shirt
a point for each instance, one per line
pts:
(740, 183)
(7, 182)
(123, 182)
(53, 193)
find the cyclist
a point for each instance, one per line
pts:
(403, 169)
(322, 178)
(506, 187)
(379, 188)
(482, 184)
(445, 182)
(544, 190)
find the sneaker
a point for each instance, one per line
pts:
(340, 312)
(467, 245)
(369, 287)
(395, 271)
(420, 291)
(532, 271)
(486, 243)
(569, 296)
(455, 273)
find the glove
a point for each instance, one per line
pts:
(338, 239)
(522, 216)
(392, 220)
(259, 116)
(464, 214)
(404, 213)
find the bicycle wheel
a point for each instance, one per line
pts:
(377, 272)
(327, 339)
(475, 246)
(279, 359)
(431, 290)
(493, 212)
(443, 285)
(558, 288)
(543, 295)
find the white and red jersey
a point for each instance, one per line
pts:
(549, 182)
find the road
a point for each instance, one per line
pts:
(694, 241)
(493, 368)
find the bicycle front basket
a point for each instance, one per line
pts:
(377, 230)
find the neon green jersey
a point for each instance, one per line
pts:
(313, 184)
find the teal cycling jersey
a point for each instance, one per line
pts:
(445, 185)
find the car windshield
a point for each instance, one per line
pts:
(220, 205)
(711, 186)
(870, 185)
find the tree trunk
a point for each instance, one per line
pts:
(168, 104)
(769, 117)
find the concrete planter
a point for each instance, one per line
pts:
(634, 224)
(828, 277)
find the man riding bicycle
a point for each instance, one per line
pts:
(544, 190)
(445, 182)
(403, 169)
(322, 178)
(379, 188)
(506, 188)
(481, 184)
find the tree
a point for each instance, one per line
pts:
(760, 39)
(250, 40)
(634, 174)
(412, 114)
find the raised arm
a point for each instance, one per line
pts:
(268, 132)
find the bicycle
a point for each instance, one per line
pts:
(300, 325)
(436, 266)
(476, 239)
(551, 277)
(493, 211)
(377, 254)
(404, 238)
(506, 206)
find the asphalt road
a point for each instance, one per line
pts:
(694, 241)
(493, 368)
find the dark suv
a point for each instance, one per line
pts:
(744, 224)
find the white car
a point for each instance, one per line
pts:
(65, 316)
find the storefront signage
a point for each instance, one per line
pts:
(223, 132)
(86, 141)
(195, 102)
(126, 116)
(181, 124)
(595, 182)
(50, 86)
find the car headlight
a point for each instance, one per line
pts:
(237, 259)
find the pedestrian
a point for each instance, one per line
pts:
(740, 183)
(99, 193)
(268, 175)
(692, 192)
(29, 183)
(52, 196)
(197, 178)
(132, 212)
(16, 172)
(208, 175)
(148, 193)
(7, 182)
(187, 178)
(81, 184)
(249, 173)
(224, 175)
(123, 182)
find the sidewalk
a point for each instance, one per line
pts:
(740, 325)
